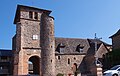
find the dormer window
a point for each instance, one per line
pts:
(60, 48)
(35, 15)
(80, 48)
(30, 14)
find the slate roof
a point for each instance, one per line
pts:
(71, 45)
(91, 50)
(116, 34)
(4, 52)
(91, 41)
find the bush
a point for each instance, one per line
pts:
(59, 74)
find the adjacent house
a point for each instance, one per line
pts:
(6, 62)
(116, 40)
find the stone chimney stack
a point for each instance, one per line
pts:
(47, 41)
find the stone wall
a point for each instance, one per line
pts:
(116, 42)
(27, 40)
(64, 67)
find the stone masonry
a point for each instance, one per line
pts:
(34, 42)
(27, 39)
(47, 45)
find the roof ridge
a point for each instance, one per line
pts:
(116, 34)
(71, 38)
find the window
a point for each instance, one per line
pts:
(30, 14)
(58, 57)
(81, 49)
(35, 15)
(68, 61)
(35, 37)
(74, 58)
(4, 58)
(118, 69)
(51, 61)
(61, 50)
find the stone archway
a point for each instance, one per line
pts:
(34, 65)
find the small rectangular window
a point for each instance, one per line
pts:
(68, 61)
(58, 57)
(35, 15)
(81, 50)
(35, 37)
(30, 14)
(61, 50)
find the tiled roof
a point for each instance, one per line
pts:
(4, 52)
(116, 34)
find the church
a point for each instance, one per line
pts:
(37, 52)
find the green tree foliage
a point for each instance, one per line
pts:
(113, 57)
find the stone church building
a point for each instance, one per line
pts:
(36, 51)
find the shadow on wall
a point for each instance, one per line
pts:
(82, 68)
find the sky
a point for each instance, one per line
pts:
(73, 18)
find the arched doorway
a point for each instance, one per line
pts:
(75, 69)
(34, 65)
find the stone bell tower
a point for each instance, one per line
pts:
(26, 42)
